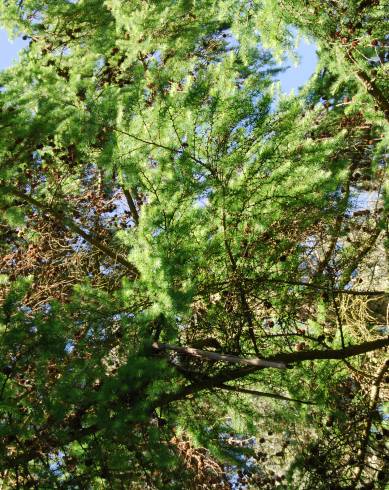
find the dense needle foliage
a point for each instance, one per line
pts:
(193, 268)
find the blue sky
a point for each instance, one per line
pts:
(296, 76)
(293, 78)
(9, 49)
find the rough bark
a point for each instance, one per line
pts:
(214, 356)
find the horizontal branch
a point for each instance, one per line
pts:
(131, 204)
(350, 292)
(316, 354)
(214, 356)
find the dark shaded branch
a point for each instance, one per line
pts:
(373, 403)
(345, 278)
(204, 384)
(364, 4)
(315, 354)
(336, 230)
(131, 205)
(338, 319)
(242, 295)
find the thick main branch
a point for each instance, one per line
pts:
(214, 356)
(282, 357)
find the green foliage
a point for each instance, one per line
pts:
(153, 188)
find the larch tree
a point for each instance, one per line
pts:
(191, 294)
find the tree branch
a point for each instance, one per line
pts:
(263, 394)
(286, 358)
(131, 205)
(214, 356)
(327, 288)
(68, 222)
(315, 354)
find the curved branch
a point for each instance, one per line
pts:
(340, 354)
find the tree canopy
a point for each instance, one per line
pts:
(193, 266)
